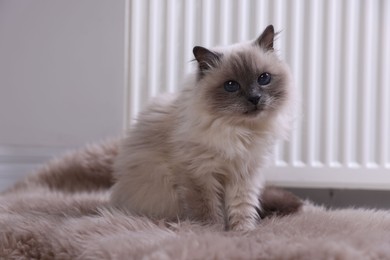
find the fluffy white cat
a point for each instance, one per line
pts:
(198, 154)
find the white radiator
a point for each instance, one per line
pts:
(339, 52)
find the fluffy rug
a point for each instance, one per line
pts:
(61, 212)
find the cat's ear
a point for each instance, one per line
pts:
(206, 59)
(266, 39)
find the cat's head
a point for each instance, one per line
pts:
(245, 80)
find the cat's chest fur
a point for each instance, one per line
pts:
(214, 146)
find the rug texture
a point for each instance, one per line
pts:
(62, 212)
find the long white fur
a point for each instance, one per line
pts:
(178, 145)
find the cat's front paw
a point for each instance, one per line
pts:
(243, 225)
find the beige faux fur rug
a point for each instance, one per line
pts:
(61, 212)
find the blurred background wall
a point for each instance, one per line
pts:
(73, 72)
(62, 78)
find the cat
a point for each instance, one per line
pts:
(198, 154)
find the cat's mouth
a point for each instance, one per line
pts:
(255, 110)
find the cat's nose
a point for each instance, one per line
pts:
(254, 99)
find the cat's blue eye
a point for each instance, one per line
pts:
(231, 86)
(264, 79)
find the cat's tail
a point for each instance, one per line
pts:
(278, 202)
(85, 170)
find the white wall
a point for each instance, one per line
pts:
(62, 78)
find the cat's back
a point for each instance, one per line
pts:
(143, 163)
(155, 120)
(148, 136)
